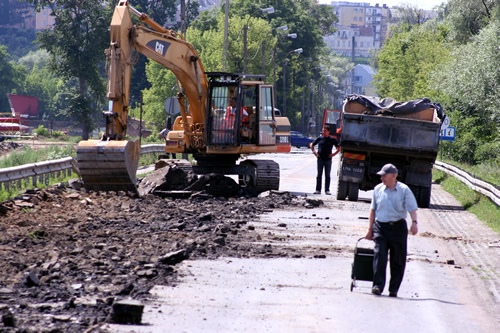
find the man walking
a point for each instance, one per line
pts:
(388, 211)
(324, 155)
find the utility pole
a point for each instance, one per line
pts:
(263, 57)
(183, 17)
(245, 29)
(224, 51)
(352, 59)
(283, 112)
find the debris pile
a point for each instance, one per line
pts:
(67, 256)
(176, 179)
(8, 146)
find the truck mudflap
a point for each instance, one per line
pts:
(351, 174)
(352, 167)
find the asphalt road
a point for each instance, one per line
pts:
(452, 280)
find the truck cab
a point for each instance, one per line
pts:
(333, 119)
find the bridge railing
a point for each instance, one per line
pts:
(42, 172)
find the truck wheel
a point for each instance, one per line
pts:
(416, 191)
(353, 191)
(424, 198)
(342, 189)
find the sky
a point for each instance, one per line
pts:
(423, 4)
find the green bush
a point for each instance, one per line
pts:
(28, 155)
(41, 131)
(57, 134)
(488, 152)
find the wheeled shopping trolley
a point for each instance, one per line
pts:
(362, 267)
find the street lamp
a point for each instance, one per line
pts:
(293, 36)
(269, 10)
(285, 62)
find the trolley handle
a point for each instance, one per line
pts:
(358, 242)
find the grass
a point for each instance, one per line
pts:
(28, 155)
(12, 193)
(474, 202)
(489, 171)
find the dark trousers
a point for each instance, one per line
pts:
(327, 165)
(389, 239)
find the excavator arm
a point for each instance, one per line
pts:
(111, 163)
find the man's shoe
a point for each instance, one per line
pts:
(393, 294)
(317, 192)
(327, 193)
(376, 290)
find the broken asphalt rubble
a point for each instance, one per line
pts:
(68, 258)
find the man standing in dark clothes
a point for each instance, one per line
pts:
(324, 155)
(392, 200)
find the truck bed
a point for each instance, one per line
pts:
(394, 135)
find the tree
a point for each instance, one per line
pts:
(309, 21)
(76, 44)
(12, 12)
(42, 83)
(161, 11)
(406, 60)
(411, 14)
(11, 78)
(471, 82)
(467, 17)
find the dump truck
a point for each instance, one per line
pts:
(378, 131)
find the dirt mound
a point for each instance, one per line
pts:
(8, 146)
(176, 178)
(66, 256)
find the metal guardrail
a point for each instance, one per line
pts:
(153, 148)
(477, 185)
(42, 172)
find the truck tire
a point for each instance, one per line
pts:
(424, 198)
(342, 187)
(416, 191)
(353, 191)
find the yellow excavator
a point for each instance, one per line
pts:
(222, 115)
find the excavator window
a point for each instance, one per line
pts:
(223, 121)
(266, 110)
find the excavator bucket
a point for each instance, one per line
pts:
(108, 165)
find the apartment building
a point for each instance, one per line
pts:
(349, 39)
(44, 20)
(360, 25)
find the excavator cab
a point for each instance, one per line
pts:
(224, 101)
(239, 112)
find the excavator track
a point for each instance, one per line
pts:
(265, 178)
(108, 165)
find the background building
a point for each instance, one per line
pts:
(44, 20)
(359, 81)
(361, 26)
(343, 40)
